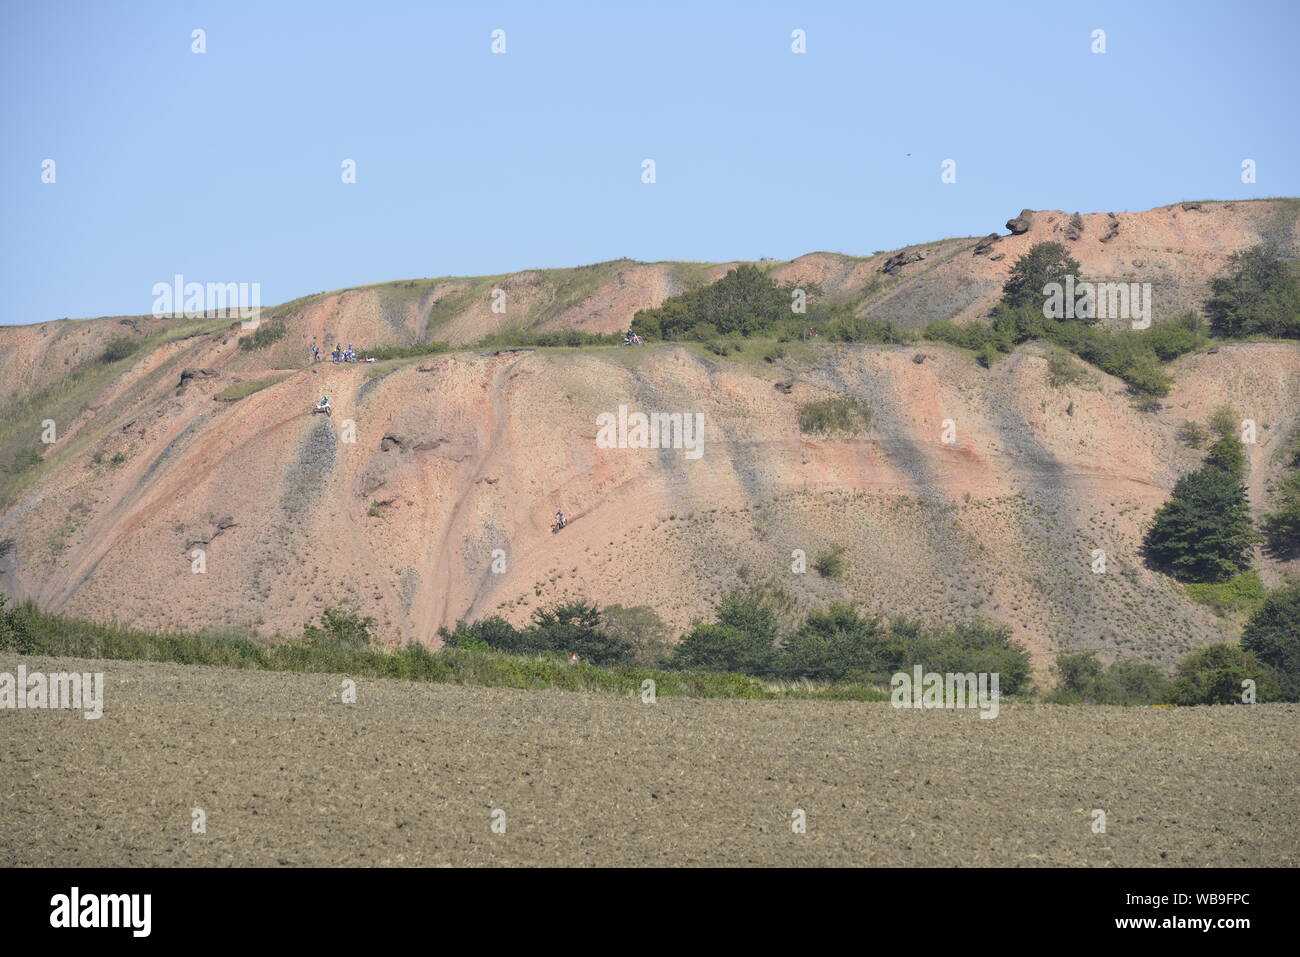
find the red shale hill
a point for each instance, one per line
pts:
(464, 455)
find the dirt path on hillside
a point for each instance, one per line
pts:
(411, 774)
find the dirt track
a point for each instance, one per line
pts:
(411, 773)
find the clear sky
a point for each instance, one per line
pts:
(226, 166)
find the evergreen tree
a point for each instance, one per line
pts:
(1203, 533)
(1044, 263)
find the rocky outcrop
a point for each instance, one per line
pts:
(1112, 228)
(189, 375)
(392, 442)
(1074, 228)
(984, 245)
(219, 526)
(1021, 223)
(896, 262)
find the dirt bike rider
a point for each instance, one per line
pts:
(324, 406)
(560, 520)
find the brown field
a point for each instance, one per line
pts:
(411, 774)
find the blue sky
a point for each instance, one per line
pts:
(225, 166)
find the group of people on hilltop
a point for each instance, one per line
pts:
(338, 355)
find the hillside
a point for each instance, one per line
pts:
(459, 454)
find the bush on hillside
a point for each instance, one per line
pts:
(841, 415)
(1191, 434)
(640, 627)
(1082, 678)
(408, 352)
(341, 627)
(575, 627)
(1258, 294)
(830, 564)
(1217, 674)
(1273, 636)
(267, 332)
(14, 632)
(743, 638)
(1281, 526)
(745, 302)
(118, 348)
(1044, 263)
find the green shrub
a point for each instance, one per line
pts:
(342, 627)
(830, 564)
(1216, 674)
(118, 348)
(1281, 526)
(1062, 371)
(1191, 434)
(1077, 673)
(1239, 595)
(1082, 678)
(1273, 635)
(267, 332)
(839, 643)
(719, 648)
(494, 632)
(1132, 682)
(971, 335)
(1223, 421)
(408, 352)
(845, 415)
(743, 639)
(519, 338)
(841, 325)
(834, 644)
(1132, 355)
(26, 457)
(745, 302)
(14, 632)
(1258, 294)
(1169, 340)
(642, 629)
(575, 627)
